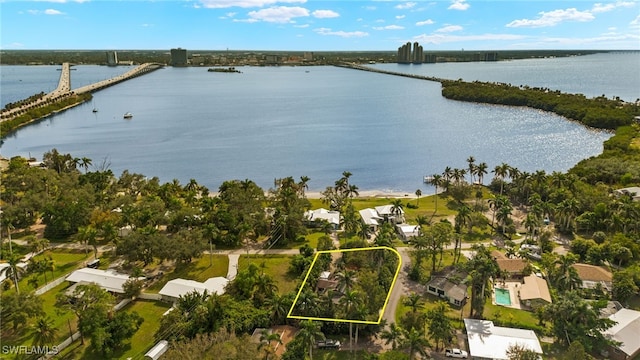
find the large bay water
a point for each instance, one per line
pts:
(273, 122)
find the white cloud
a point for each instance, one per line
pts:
(447, 38)
(553, 18)
(400, 17)
(458, 5)
(389, 27)
(425, 22)
(324, 14)
(405, 6)
(370, 8)
(45, 12)
(231, 14)
(344, 34)
(598, 7)
(449, 28)
(301, 26)
(635, 22)
(279, 14)
(220, 4)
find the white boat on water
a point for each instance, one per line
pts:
(127, 115)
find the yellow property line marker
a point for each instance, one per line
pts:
(386, 301)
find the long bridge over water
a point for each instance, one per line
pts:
(64, 89)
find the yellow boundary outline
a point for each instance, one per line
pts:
(386, 301)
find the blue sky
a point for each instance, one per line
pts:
(301, 25)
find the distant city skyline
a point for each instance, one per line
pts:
(310, 25)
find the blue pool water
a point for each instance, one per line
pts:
(502, 296)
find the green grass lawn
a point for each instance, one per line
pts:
(199, 269)
(510, 317)
(276, 266)
(138, 345)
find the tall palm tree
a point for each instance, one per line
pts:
(396, 210)
(278, 306)
(13, 271)
(88, 235)
(472, 167)
(414, 301)
(418, 194)
(481, 171)
(346, 279)
(436, 181)
(501, 172)
(310, 333)
(350, 301)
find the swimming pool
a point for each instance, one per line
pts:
(503, 296)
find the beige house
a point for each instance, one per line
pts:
(534, 292)
(592, 275)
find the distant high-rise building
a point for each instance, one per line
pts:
(178, 57)
(112, 58)
(406, 56)
(308, 56)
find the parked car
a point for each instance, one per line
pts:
(456, 353)
(328, 344)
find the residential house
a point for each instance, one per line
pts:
(448, 284)
(406, 231)
(110, 281)
(315, 217)
(391, 214)
(592, 275)
(633, 192)
(534, 292)
(487, 341)
(175, 288)
(371, 218)
(626, 332)
(325, 282)
(511, 268)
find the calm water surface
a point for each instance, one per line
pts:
(274, 122)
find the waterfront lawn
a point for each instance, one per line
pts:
(276, 266)
(200, 269)
(510, 317)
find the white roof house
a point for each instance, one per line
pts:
(332, 217)
(175, 288)
(370, 217)
(634, 192)
(407, 231)
(492, 342)
(157, 350)
(387, 212)
(108, 280)
(626, 331)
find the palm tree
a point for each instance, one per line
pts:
(472, 167)
(266, 338)
(350, 300)
(309, 333)
(13, 271)
(396, 209)
(392, 336)
(416, 342)
(481, 171)
(436, 181)
(87, 235)
(278, 306)
(414, 301)
(501, 171)
(44, 331)
(418, 194)
(346, 280)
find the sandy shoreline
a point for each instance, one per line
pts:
(372, 194)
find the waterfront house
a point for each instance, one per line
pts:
(317, 216)
(626, 332)
(390, 213)
(633, 192)
(371, 218)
